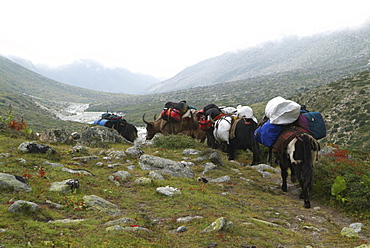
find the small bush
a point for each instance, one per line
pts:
(354, 168)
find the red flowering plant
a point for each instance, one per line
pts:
(348, 171)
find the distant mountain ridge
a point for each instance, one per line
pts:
(344, 49)
(92, 75)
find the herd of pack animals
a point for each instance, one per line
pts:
(287, 129)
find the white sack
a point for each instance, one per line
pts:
(222, 129)
(281, 111)
(229, 111)
(245, 112)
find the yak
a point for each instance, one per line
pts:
(187, 126)
(243, 138)
(125, 129)
(296, 149)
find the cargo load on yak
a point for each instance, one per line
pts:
(224, 127)
(174, 112)
(279, 113)
(313, 122)
(109, 119)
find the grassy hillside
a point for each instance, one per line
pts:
(345, 105)
(262, 215)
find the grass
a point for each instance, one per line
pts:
(246, 204)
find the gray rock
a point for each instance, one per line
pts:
(119, 176)
(187, 218)
(143, 181)
(216, 159)
(134, 151)
(13, 183)
(84, 172)
(190, 152)
(99, 204)
(155, 175)
(168, 191)
(208, 167)
(122, 221)
(33, 147)
(56, 136)
(53, 164)
(356, 227)
(218, 225)
(348, 232)
(181, 229)
(63, 187)
(164, 166)
(21, 206)
(223, 179)
(96, 135)
(66, 221)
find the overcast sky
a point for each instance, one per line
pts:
(160, 37)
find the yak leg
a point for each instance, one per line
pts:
(284, 175)
(231, 152)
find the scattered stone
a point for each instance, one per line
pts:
(188, 164)
(97, 135)
(66, 221)
(5, 155)
(53, 164)
(113, 154)
(33, 147)
(121, 221)
(223, 179)
(261, 168)
(218, 225)
(143, 181)
(216, 159)
(97, 203)
(65, 186)
(84, 172)
(134, 151)
(187, 218)
(264, 222)
(164, 166)
(119, 228)
(311, 228)
(168, 191)
(21, 160)
(86, 158)
(190, 152)
(21, 206)
(356, 227)
(208, 167)
(181, 229)
(363, 246)
(155, 175)
(56, 205)
(56, 136)
(348, 232)
(13, 183)
(119, 176)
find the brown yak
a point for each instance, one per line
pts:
(188, 126)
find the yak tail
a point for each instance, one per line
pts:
(307, 167)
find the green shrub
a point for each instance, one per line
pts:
(354, 169)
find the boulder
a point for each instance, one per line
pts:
(33, 147)
(56, 136)
(218, 225)
(99, 134)
(21, 206)
(13, 183)
(97, 203)
(165, 166)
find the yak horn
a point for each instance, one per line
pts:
(211, 120)
(155, 117)
(145, 120)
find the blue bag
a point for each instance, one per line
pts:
(314, 123)
(268, 133)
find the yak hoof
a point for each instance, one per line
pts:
(307, 204)
(284, 188)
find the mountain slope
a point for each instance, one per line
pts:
(345, 105)
(341, 50)
(92, 75)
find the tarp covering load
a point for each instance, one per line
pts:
(222, 129)
(108, 118)
(281, 111)
(245, 112)
(268, 133)
(314, 123)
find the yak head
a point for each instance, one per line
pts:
(152, 128)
